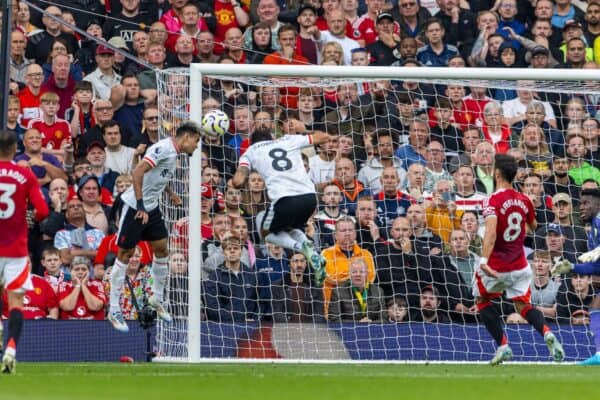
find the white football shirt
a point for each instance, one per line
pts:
(279, 162)
(162, 156)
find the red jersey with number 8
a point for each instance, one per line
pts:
(513, 211)
(18, 187)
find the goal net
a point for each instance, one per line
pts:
(410, 165)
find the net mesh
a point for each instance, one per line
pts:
(352, 110)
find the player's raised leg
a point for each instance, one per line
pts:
(159, 271)
(537, 320)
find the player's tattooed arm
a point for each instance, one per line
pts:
(241, 175)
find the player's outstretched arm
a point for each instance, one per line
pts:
(241, 175)
(319, 137)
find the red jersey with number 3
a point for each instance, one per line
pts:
(18, 187)
(513, 211)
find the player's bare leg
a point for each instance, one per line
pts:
(536, 319)
(15, 325)
(595, 328)
(117, 281)
(158, 277)
(493, 323)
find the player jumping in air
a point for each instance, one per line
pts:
(589, 209)
(292, 193)
(18, 188)
(141, 218)
(503, 266)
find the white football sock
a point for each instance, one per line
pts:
(117, 280)
(284, 240)
(160, 269)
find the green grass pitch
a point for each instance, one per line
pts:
(60, 381)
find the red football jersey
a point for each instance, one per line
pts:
(475, 109)
(513, 211)
(52, 135)
(81, 311)
(37, 302)
(364, 28)
(18, 187)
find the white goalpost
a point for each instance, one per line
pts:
(193, 338)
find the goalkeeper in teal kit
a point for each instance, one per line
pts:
(589, 208)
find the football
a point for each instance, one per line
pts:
(215, 123)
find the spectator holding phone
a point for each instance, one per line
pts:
(442, 215)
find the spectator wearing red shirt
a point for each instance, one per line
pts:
(474, 104)
(39, 302)
(81, 298)
(30, 95)
(364, 26)
(229, 14)
(55, 131)
(287, 56)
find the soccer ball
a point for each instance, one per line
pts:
(215, 123)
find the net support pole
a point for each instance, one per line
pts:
(194, 233)
(5, 34)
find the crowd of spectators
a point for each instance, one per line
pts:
(401, 184)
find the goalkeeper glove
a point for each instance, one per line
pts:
(561, 267)
(590, 256)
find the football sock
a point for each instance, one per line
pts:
(535, 319)
(589, 268)
(595, 326)
(492, 322)
(117, 280)
(284, 240)
(298, 235)
(160, 269)
(15, 325)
